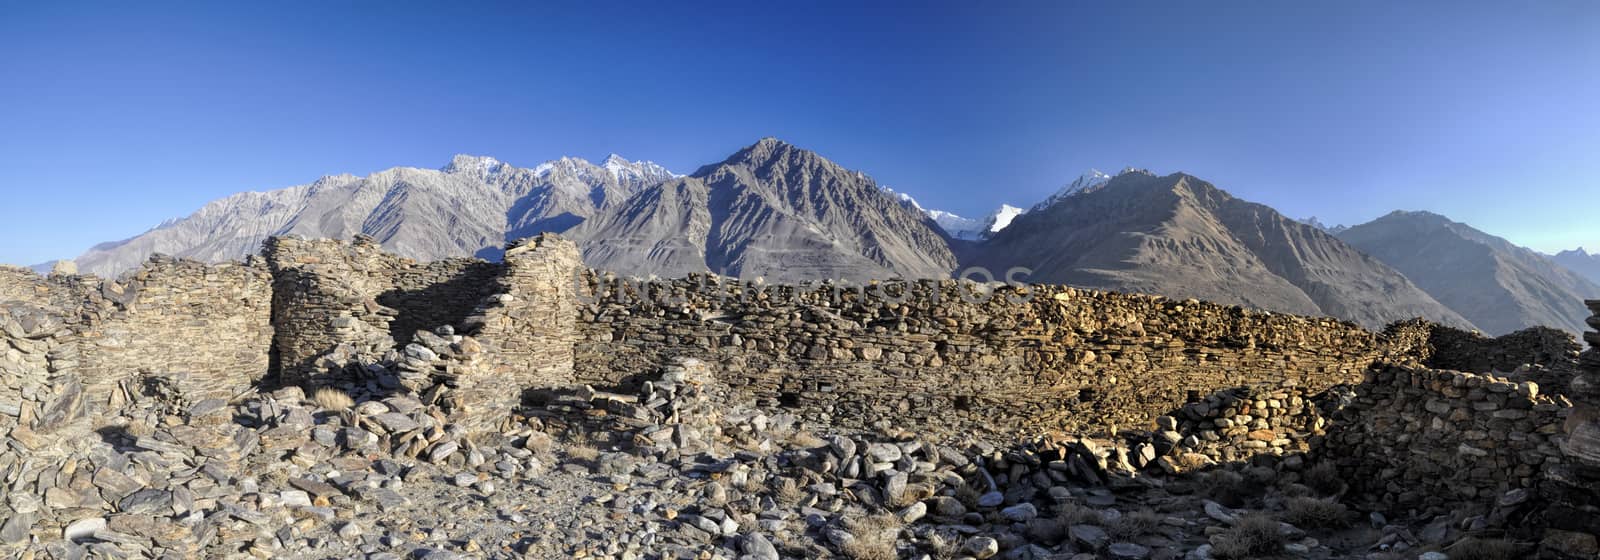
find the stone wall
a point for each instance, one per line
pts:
(1471, 351)
(1419, 438)
(73, 346)
(330, 294)
(528, 327)
(209, 326)
(1059, 358)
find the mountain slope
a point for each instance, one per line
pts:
(775, 211)
(1581, 262)
(471, 206)
(1497, 285)
(1182, 237)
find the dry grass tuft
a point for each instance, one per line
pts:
(1313, 512)
(1135, 524)
(329, 398)
(1324, 479)
(1078, 514)
(875, 537)
(806, 440)
(1473, 548)
(788, 492)
(1253, 536)
(582, 452)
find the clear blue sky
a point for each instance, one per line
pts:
(117, 115)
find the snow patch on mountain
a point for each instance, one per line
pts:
(1089, 181)
(1002, 218)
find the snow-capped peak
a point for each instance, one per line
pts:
(905, 199)
(1087, 182)
(1002, 218)
(623, 170)
(482, 166)
(1314, 222)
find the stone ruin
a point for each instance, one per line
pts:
(446, 359)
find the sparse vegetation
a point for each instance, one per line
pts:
(1135, 524)
(804, 439)
(1473, 548)
(1314, 512)
(788, 492)
(1077, 514)
(582, 452)
(1253, 536)
(875, 537)
(329, 398)
(1324, 479)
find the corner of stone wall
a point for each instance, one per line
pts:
(528, 326)
(1573, 487)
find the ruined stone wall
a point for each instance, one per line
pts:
(330, 294)
(207, 325)
(1061, 358)
(1416, 437)
(1471, 351)
(529, 324)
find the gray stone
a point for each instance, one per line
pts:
(1020, 512)
(1128, 551)
(1089, 535)
(757, 547)
(16, 528)
(982, 547)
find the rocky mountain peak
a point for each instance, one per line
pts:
(475, 165)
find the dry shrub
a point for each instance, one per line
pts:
(1077, 514)
(788, 492)
(875, 537)
(329, 398)
(1473, 548)
(806, 440)
(914, 493)
(1226, 487)
(582, 452)
(1253, 536)
(1135, 524)
(1313, 512)
(1324, 479)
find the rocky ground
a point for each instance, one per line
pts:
(676, 469)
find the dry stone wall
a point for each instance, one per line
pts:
(207, 325)
(1471, 351)
(1425, 438)
(331, 296)
(1051, 358)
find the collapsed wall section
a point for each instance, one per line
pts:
(330, 296)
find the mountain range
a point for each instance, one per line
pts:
(1581, 262)
(779, 212)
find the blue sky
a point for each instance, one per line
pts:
(117, 115)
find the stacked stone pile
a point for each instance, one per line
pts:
(1237, 424)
